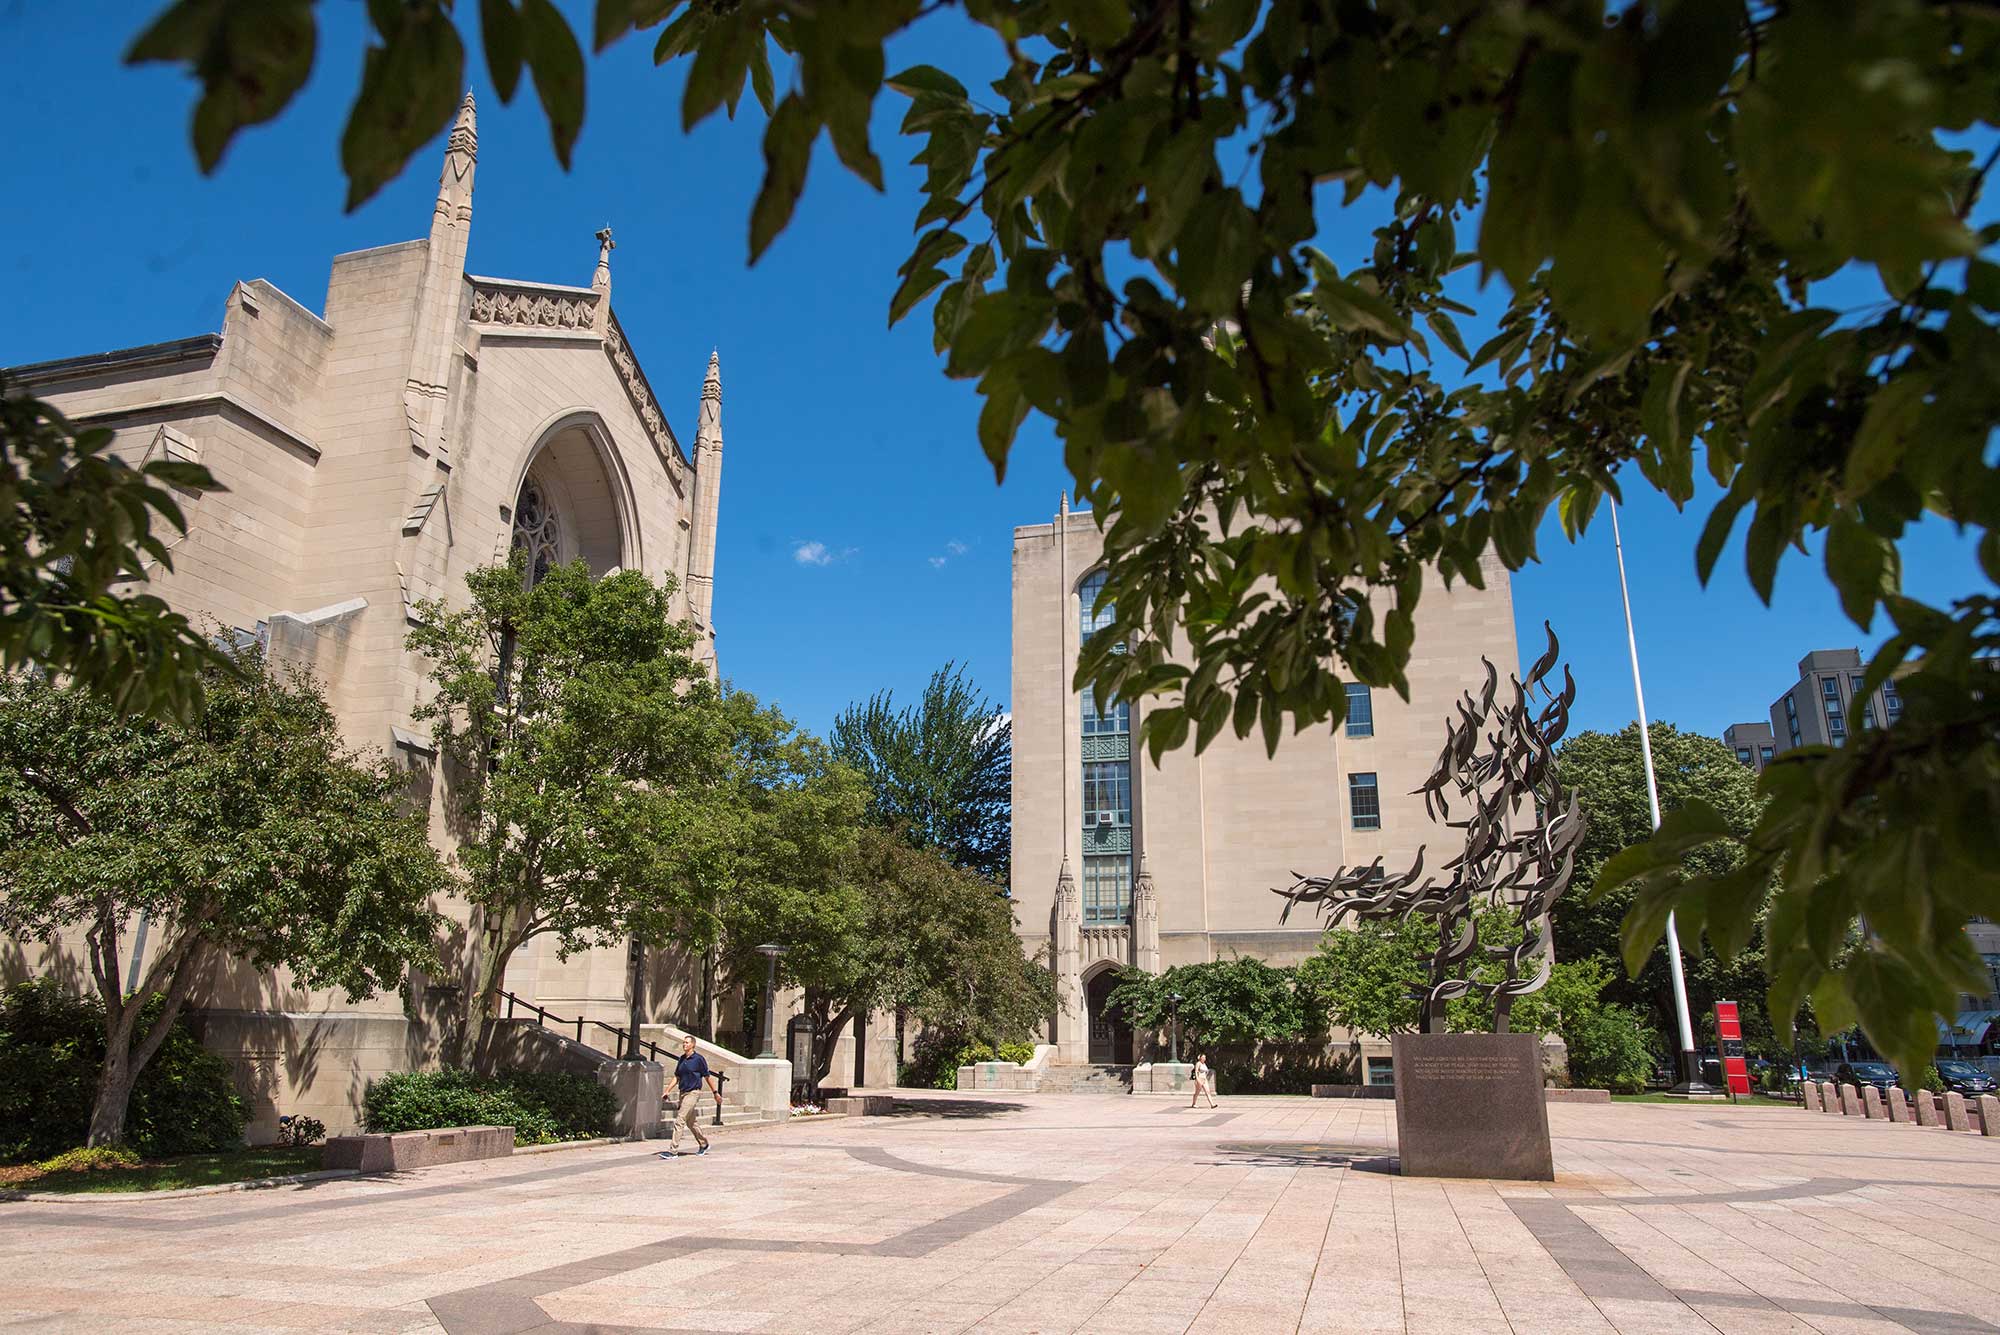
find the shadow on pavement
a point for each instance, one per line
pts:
(953, 1108)
(1301, 1154)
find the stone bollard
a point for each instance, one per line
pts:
(1871, 1103)
(1809, 1094)
(1829, 1096)
(1989, 1115)
(1899, 1104)
(1954, 1112)
(1927, 1108)
(638, 1087)
(1850, 1101)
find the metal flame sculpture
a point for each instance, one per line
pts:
(1497, 759)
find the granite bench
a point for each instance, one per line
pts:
(399, 1150)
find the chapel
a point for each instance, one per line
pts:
(426, 423)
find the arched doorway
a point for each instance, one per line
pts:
(1110, 1036)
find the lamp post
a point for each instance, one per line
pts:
(1174, 1008)
(1691, 1085)
(638, 990)
(770, 954)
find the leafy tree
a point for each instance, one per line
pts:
(76, 526)
(1370, 976)
(1610, 1046)
(1223, 1003)
(940, 771)
(1281, 442)
(251, 834)
(794, 885)
(577, 726)
(955, 961)
(882, 924)
(1607, 773)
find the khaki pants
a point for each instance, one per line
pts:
(687, 1114)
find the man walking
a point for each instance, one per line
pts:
(689, 1073)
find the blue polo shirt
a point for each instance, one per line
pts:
(690, 1071)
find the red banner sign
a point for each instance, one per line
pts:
(1729, 1039)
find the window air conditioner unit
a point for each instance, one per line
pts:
(1103, 818)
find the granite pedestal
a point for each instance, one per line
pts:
(1471, 1105)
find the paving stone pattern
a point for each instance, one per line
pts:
(1039, 1213)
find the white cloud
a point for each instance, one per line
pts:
(818, 553)
(936, 561)
(956, 548)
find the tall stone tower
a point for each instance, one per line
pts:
(707, 498)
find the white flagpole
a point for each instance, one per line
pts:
(1691, 1081)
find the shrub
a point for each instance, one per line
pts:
(300, 1131)
(88, 1159)
(51, 1049)
(935, 1063)
(542, 1106)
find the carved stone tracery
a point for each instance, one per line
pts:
(524, 306)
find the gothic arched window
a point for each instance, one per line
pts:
(537, 530)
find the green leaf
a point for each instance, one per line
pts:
(251, 59)
(1856, 561)
(500, 32)
(1351, 306)
(1715, 533)
(788, 142)
(926, 79)
(1763, 547)
(1000, 417)
(721, 59)
(1888, 430)
(556, 61)
(761, 82)
(409, 92)
(1446, 329)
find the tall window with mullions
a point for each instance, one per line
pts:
(1106, 752)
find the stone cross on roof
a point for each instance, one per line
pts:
(601, 280)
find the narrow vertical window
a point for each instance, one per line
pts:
(1360, 711)
(1364, 802)
(1106, 754)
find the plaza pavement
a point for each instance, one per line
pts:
(1038, 1213)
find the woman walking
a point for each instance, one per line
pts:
(1204, 1083)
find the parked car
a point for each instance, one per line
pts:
(1879, 1074)
(1966, 1078)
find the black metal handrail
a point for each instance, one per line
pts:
(544, 1018)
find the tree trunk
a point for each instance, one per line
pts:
(826, 1034)
(123, 1059)
(114, 1084)
(481, 999)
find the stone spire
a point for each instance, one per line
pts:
(438, 290)
(600, 281)
(461, 154)
(707, 495)
(708, 427)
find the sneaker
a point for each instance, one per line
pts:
(703, 1150)
(669, 1154)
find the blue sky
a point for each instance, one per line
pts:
(863, 539)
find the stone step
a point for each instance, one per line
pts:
(1090, 1078)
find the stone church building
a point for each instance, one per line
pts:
(428, 421)
(1117, 862)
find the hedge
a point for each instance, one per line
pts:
(543, 1107)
